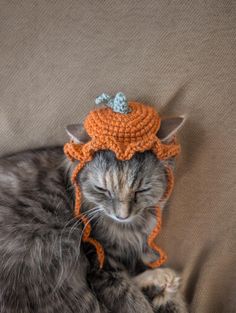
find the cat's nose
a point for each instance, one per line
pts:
(123, 210)
(123, 216)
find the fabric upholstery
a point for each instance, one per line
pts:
(57, 56)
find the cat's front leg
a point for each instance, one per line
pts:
(118, 292)
(161, 287)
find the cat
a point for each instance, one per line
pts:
(44, 266)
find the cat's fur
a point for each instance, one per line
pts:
(44, 267)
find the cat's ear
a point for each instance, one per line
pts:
(169, 127)
(77, 133)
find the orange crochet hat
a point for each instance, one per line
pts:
(124, 128)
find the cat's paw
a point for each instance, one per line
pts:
(159, 285)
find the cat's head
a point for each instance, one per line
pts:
(124, 190)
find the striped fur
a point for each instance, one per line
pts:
(44, 268)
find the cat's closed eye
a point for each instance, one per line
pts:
(143, 190)
(140, 192)
(102, 190)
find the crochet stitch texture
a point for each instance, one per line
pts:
(124, 134)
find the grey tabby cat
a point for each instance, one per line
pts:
(44, 266)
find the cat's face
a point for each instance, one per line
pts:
(123, 190)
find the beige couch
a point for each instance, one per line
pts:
(57, 56)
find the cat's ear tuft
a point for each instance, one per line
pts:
(77, 133)
(169, 127)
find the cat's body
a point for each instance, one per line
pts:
(36, 256)
(44, 268)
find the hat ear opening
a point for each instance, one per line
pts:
(77, 133)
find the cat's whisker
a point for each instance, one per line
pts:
(76, 224)
(85, 212)
(61, 234)
(83, 232)
(76, 218)
(91, 212)
(140, 217)
(91, 215)
(59, 281)
(86, 225)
